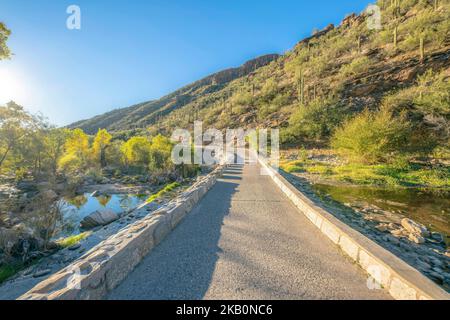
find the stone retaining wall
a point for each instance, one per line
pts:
(103, 267)
(402, 281)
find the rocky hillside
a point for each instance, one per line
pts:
(325, 79)
(147, 113)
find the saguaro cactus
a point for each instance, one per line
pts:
(422, 49)
(301, 88)
(396, 5)
(395, 36)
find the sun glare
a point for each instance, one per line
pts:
(10, 87)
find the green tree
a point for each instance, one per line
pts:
(101, 141)
(15, 125)
(160, 153)
(55, 140)
(76, 151)
(4, 35)
(136, 151)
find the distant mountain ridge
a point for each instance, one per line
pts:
(147, 113)
(310, 90)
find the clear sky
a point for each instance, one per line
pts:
(133, 51)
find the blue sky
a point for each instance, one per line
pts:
(133, 51)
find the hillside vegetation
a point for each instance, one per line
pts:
(372, 96)
(329, 89)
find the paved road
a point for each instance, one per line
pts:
(245, 240)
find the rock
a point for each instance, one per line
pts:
(26, 186)
(74, 247)
(382, 227)
(391, 239)
(68, 259)
(416, 238)
(437, 236)
(436, 262)
(35, 255)
(50, 194)
(423, 265)
(414, 227)
(41, 273)
(60, 187)
(437, 277)
(96, 193)
(43, 185)
(99, 218)
(28, 271)
(438, 270)
(105, 181)
(397, 232)
(152, 206)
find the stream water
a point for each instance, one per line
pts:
(429, 207)
(76, 208)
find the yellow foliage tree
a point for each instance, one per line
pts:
(101, 141)
(136, 151)
(76, 151)
(160, 152)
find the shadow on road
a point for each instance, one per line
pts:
(182, 266)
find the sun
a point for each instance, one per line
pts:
(11, 87)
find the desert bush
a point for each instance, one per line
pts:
(242, 99)
(315, 121)
(265, 109)
(428, 108)
(269, 90)
(357, 66)
(373, 137)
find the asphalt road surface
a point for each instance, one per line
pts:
(246, 240)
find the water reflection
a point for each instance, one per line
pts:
(429, 207)
(103, 200)
(76, 208)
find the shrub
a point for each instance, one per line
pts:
(70, 241)
(313, 122)
(357, 66)
(163, 191)
(372, 137)
(428, 106)
(269, 90)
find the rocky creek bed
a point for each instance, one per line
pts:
(48, 262)
(424, 249)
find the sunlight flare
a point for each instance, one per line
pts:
(11, 86)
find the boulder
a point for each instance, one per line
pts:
(41, 273)
(415, 228)
(99, 218)
(438, 237)
(416, 238)
(50, 194)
